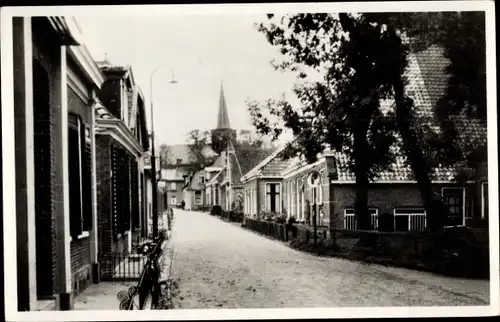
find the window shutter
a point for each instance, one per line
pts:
(122, 200)
(114, 192)
(134, 193)
(126, 192)
(86, 182)
(74, 179)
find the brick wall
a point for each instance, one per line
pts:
(103, 183)
(80, 248)
(386, 197)
(45, 57)
(80, 265)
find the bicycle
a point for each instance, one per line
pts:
(148, 281)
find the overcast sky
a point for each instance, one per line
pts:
(202, 51)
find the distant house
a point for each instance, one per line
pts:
(173, 180)
(393, 199)
(194, 191)
(179, 164)
(121, 140)
(263, 186)
(56, 83)
(161, 194)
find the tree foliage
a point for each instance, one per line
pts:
(198, 142)
(164, 156)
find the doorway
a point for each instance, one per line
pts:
(43, 184)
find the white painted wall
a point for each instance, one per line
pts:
(149, 204)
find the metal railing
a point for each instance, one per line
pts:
(121, 266)
(350, 222)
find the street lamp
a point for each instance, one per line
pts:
(153, 156)
(314, 180)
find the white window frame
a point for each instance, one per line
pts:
(320, 189)
(297, 209)
(280, 199)
(288, 199)
(173, 185)
(173, 198)
(416, 213)
(463, 203)
(85, 233)
(346, 214)
(483, 203)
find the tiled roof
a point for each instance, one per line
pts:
(272, 165)
(249, 157)
(276, 166)
(102, 112)
(427, 82)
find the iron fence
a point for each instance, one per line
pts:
(120, 266)
(271, 229)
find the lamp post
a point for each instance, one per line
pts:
(313, 180)
(153, 156)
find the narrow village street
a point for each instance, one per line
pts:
(221, 265)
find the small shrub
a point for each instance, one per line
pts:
(216, 210)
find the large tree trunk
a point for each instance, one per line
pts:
(434, 207)
(421, 168)
(361, 166)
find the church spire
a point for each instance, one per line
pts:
(223, 118)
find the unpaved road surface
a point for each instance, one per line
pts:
(221, 265)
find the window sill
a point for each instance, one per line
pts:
(84, 234)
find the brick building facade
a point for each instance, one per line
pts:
(55, 85)
(80, 183)
(121, 141)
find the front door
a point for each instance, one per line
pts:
(43, 180)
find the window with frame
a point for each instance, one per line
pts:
(201, 179)
(197, 197)
(484, 200)
(410, 219)
(454, 199)
(80, 173)
(173, 186)
(350, 222)
(273, 200)
(173, 200)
